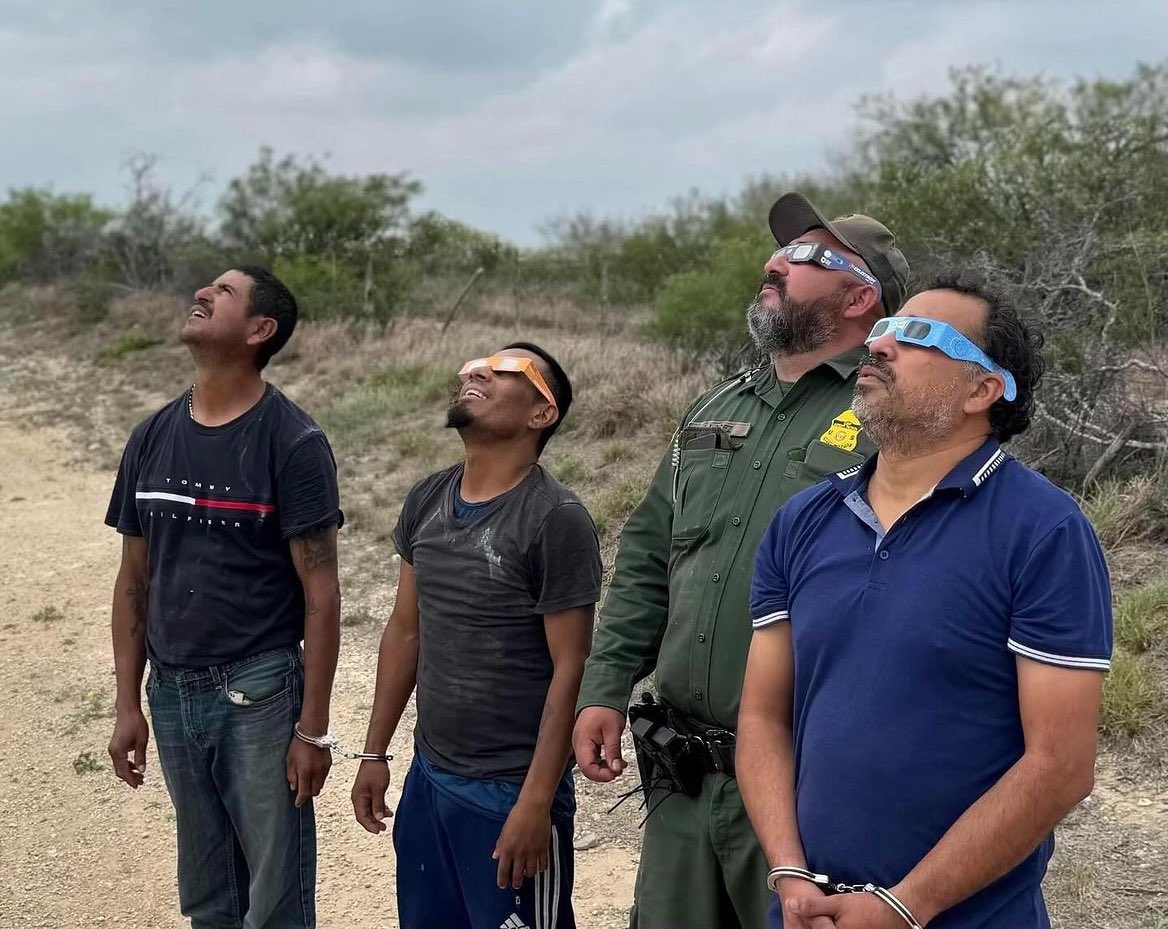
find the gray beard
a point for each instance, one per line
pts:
(792, 328)
(904, 425)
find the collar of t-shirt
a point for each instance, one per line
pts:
(464, 510)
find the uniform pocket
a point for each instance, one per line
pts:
(822, 460)
(259, 682)
(702, 475)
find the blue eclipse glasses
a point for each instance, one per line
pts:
(930, 333)
(825, 256)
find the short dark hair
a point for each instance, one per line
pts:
(1010, 341)
(271, 297)
(560, 386)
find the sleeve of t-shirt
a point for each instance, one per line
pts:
(122, 514)
(768, 584)
(307, 495)
(403, 532)
(565, 560)
(1062, 600)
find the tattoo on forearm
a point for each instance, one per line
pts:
(138, 592)
(317, 547)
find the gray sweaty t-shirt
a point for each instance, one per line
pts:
(484, 585)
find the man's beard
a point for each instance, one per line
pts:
(791, 327)
(904, 422)
(458, 416)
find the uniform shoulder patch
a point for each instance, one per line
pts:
(843, 433)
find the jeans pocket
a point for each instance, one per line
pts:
(260, 682)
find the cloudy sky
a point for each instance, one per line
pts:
(510, 112)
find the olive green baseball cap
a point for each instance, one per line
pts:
(793, 214)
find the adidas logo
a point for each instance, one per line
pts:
(513, 922)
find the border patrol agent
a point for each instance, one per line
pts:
(678, 603)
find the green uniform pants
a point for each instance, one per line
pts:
(701, 866)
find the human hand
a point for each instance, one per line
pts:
(522, 849)
(596, 740)
(307, 767)
(845, 911)
(369, 789)
(131, 734)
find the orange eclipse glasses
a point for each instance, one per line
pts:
(512, 364)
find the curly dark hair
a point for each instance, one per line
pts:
(1009, 340)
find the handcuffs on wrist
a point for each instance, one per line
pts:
(826, 884)
(329, 741)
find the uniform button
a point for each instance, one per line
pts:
(736, 521)
(757, 464)
(884, 555)
(701, 637)
(782, 417)
(697, 695)
(716, 578)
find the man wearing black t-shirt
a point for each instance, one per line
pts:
(228, 507)
(500, 574)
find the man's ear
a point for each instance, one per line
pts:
(263, 329)
(986, 391)
(544, 416)
(863, 299)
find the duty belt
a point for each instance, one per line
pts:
(675, 750)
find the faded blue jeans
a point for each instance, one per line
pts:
(246, 855)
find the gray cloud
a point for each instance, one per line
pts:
(509, 113)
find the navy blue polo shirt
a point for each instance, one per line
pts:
(905, 648)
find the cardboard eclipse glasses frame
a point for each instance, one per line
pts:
(512, 364)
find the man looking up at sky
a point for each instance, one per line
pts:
(678, 597)
(500, 574)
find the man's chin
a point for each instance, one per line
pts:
(458, 416)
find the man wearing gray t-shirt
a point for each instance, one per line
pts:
(500, 574)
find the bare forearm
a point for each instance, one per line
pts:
(322, 643)
(765, 766)
(128, 626)
(994, 835)
(554, 743)
(397, 673)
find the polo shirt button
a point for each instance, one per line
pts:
(782, 417)
(757, 464)
(716, 578)
(697, 695)
(701, 637)
(736, 521)
(884, 555)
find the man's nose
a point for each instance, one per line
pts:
(883, 346)
(777, 264)
(204, 293)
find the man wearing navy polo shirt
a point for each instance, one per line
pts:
(931, 633)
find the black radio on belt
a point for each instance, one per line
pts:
(662, 751)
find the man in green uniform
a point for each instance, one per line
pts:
(678, 602)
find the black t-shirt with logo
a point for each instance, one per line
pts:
(485, 581)
(217, 506)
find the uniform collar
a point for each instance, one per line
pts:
(763, 378)
(968, 476)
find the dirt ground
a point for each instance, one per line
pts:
(79, 849)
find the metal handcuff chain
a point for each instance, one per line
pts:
(329, 741)
(823, 881)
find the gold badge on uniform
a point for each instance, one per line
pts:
(843, 433)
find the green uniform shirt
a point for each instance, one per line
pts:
(679, 599)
